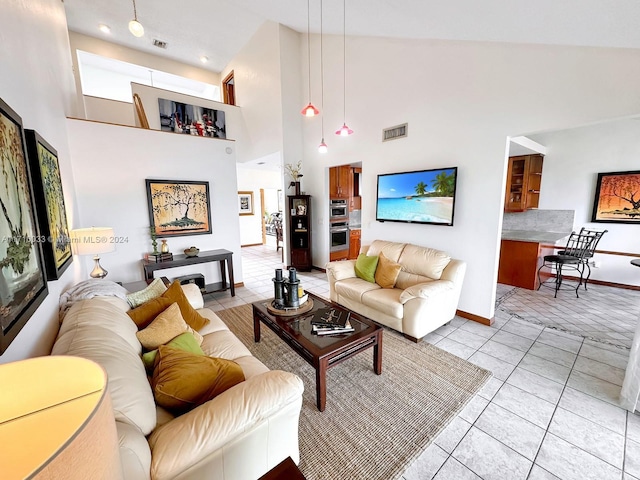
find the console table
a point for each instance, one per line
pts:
(220, 255)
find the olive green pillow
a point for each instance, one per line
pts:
(183, 380)
(366, 267)
(185, 342)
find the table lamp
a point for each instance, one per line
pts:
(93, 241)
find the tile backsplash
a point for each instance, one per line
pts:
(540, 220)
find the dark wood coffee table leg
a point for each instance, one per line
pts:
(321, 384)
(377, 354)
(256, 328)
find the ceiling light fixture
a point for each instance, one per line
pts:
(104, 28)
(344, 131)
(135, 27)
(322, 148)
(309, 110)
(204, 59)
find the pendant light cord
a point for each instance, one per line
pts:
(309, 45)
(322, 73)
(344, 57)
(135, 12)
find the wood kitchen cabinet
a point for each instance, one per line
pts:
(340, 182)
(524, 176)
(519, 263)
(354, 243)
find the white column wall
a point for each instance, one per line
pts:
(252, 180)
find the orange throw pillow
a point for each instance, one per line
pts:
(148, 311)
(193, 318)
(387, 272)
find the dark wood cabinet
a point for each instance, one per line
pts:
(340, 181)
(524, 176)
(299, 226)
(354, 244)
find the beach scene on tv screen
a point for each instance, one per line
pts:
(425, 196)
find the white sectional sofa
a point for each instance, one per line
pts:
(240, 434)
(425, 295)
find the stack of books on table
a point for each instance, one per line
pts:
(159, 257)
(329, 321)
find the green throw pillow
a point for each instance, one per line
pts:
(366, 267)
(185, 341)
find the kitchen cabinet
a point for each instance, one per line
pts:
(299, 226)
(354, 243)
(524, 176)
(519, 263)
(340, 182)
(355, 201)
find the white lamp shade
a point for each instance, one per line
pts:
(136, 28)
(92, 241)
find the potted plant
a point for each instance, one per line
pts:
(294, 173)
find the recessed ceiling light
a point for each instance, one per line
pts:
(104, 28)
(204, 59)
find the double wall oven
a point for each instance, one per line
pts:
(339, 228)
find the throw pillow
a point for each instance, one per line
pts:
(153, 290)
(387, 272)
(185, 341)
(147, 312)
(166, 326)
(183, 380)
(193, 318)
(366, 267)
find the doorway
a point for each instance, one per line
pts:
(228, 89)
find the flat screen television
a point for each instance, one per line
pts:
(424, 196)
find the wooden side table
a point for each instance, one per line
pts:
(285, 470)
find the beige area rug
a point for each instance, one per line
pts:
(374, 426)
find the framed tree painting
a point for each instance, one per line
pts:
(179, 207)
(245, 203)
(49, 199)
(23, 285)
(617, 198)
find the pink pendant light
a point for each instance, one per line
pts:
(309, 110)
(322, 148)
(344, 131)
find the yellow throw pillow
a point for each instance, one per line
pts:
(387, 272)
(183, 380)
(193, 318)
(147, 312)
(151, 291)
(167, 326)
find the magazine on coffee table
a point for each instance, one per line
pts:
(330, 317)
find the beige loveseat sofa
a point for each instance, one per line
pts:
(425, 295)
(240, 434)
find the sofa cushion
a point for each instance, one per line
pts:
(185, 341)
(146, 313)
(366, 267)
(354, 288)
(424, 261)
(100, 331)
(391, 250)
(387, 272)
(166, 326)
(151, 291)
(183, 380)
(385, 300)
(190, 315)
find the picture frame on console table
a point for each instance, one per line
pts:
(23, 284)
(49, 199)
(617, 198)
(179, 207)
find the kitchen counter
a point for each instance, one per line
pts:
(534, 236)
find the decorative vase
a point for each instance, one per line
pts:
(191, 252)
(297, 186)
(164, 248)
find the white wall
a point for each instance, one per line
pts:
(461, 100)
(37, 83)
(252, 180)
(574, 159)
(110, 111)
(111, 164)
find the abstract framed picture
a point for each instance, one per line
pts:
(23, 284)
(245, 203)
(49, 199)
(179, 207)
(617, 198)
(191, 120)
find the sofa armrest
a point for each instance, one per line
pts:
(341, 269)
(191, 438)
(193, 294)
(427, 290)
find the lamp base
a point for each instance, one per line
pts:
(98, 271)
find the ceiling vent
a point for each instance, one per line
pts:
(393, 133)
(159, 43)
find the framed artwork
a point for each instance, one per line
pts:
(179, 207)
(49, 199)
(23, 285)
(191, 120)
(245, 203)
(617, 198)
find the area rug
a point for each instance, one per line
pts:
(374, 426)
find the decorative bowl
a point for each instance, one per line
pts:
(191, 252)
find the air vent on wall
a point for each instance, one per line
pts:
(393, 133)
(159, 43)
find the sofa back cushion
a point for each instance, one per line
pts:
(391, 250)
(101, 331)
(422, 261)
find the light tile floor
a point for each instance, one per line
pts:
(549, 412)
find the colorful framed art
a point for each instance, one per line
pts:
(617, 198)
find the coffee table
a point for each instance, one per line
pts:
(321, 351)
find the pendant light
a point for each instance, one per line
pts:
(322, 148)
(344, 131)
(309, 110)
(135, 27)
